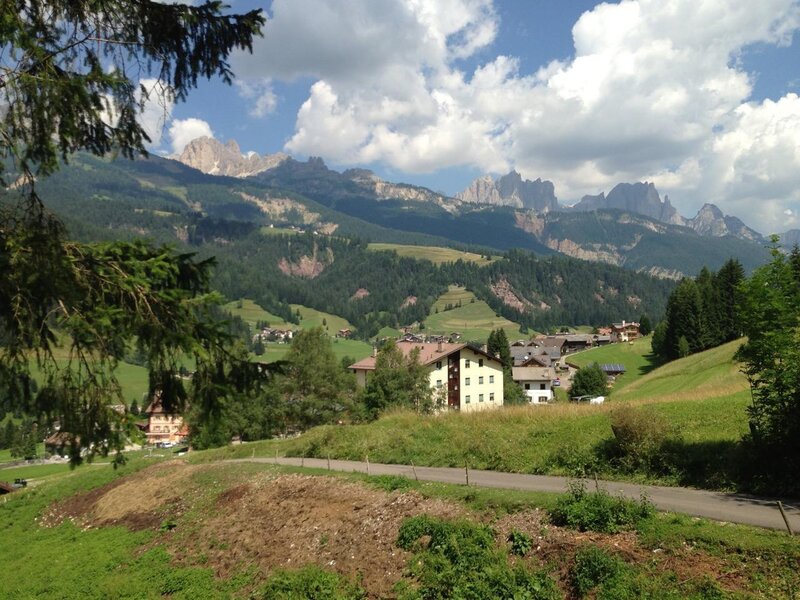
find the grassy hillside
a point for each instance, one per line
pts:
(710, 374)
(474, 319)
(701, 399)
(435, 254)
(130, 537)
(637, 358)
(251, 313)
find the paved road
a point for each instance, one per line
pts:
(734, 508)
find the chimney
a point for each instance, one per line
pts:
(374, 351)
(439, 346)
(485, 348)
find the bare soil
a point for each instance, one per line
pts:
(265, 521)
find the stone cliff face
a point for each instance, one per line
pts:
(512, 190)
(639, 198)
(215, 158)
(710, 220)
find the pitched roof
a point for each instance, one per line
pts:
(531, 373)
(428, 353)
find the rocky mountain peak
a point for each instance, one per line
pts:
(215, 158)
(641, 198)
(512, 190)
(710, 220)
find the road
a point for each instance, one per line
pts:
(733, 508)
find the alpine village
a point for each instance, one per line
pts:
(403, 299)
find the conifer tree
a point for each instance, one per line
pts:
(71, 72)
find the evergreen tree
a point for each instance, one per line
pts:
(726, 283)
(497, 345)
(769, 310)
(66, 66)
(258, 347)
(645, 327)
(134, 407)
(684, 319)
(315, 388)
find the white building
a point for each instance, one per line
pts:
(469, 378)
(537, 382)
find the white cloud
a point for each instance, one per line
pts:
(264, 100)
(654, 91)
(183, 131)
(157, 109)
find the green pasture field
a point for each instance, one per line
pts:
(474, 319)
(637, 357)
(436, 254)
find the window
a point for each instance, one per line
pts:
(491, 378)
(466, 399)
(480, 397)
(480, 379)
(480, 362)
(466, 381)
(438, 364)
(438, 383)
(466, 363)
(491, 396)
(541, 386)
(527, 386)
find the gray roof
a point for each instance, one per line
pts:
(531, 374)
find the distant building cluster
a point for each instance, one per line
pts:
(273, 334)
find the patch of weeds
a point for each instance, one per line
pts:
(599, 511)
(167, 525)
(309, 582)
(593, 567)
(460, 559)
(519, 542)
(390, 483)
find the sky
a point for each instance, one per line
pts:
(698, 96)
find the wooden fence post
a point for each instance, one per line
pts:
(785, 518)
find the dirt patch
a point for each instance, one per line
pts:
(409, 301)
(307, 267)
(359, 294)
(139, 501)
(268, 521)
(503, 290)
(292, 520)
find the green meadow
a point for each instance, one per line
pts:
(436, 254)
(474, 319)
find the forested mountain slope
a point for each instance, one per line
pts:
(230, 218)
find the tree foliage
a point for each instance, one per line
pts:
(398, 381)
(70, 75)
(589, 381)
(770, 318)
(701, 313)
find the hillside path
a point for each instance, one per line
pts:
(719, 506)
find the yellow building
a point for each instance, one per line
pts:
(467, 377)
(163, 427)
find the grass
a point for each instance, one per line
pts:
(637, 358)
(436, 254)
(474, 319)
(710, 374)
(706, 418)
(251, 313)
(310, 318)
(355, 349)
(72, 561)
(37, 472)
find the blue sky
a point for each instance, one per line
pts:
(698, 96)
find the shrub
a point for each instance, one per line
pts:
(310, 582)
(640, 438)
(598, 511)
(460, 559)
(520, 542)
(593, 567)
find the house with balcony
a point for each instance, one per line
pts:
(468, 378)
